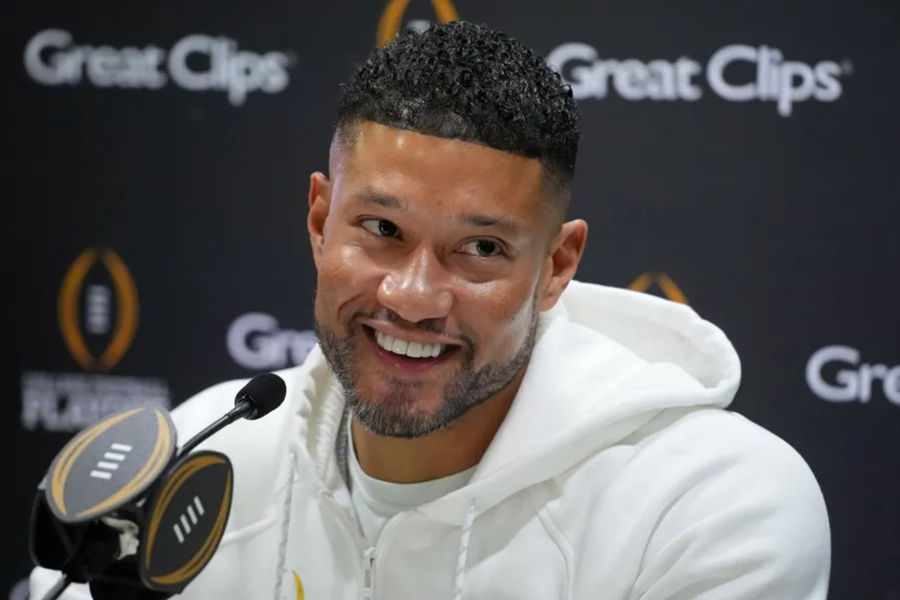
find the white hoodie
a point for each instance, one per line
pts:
(616, 475)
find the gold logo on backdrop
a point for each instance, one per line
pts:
(392, 17)
(665, 284)
(126, 309)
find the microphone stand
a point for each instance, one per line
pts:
(58, 588)
(242, 409)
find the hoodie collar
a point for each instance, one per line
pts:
(605, 363)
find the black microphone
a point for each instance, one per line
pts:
(264, 393)
(260, 396)
(120, 510)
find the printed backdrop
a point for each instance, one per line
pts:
(741, 157)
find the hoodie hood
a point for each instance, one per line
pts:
(607, 361)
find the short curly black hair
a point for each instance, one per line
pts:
(465, 81)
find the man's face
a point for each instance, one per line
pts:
(430, 254)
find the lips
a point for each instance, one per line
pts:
(405, 365)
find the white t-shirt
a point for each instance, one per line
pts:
(376, 501)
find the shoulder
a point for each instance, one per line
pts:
(741, 502)
(712, 459)
(711, 444)
(684, 451)
(701, 504)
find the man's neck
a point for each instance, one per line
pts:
(452, 449)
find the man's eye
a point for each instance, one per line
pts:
(482, 248)
(380, 227)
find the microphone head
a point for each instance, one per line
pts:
(264, 393)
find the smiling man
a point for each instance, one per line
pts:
(435, 256)
(475, 423)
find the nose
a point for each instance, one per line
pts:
(417, 289)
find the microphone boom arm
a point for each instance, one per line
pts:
(241, 410)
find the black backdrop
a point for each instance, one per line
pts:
(740, 156)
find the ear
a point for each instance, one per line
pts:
(319, 207)
(562, 261)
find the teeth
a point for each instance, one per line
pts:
(398, 346)
(406, 348)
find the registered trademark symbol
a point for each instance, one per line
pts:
(847, 67)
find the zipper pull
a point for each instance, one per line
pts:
(368, 574)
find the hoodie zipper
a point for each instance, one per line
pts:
(367, 553)
(368, 591)
(370, 558)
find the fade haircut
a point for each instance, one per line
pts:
(464, 81)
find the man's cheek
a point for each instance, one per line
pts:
(333, 270)
(511, 329)
(512, 307)
(349, 267)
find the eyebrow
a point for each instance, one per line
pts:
(373, 196)
(489, 221)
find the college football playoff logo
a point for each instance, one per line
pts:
(98, 309)
(392, 17)
(663, 282)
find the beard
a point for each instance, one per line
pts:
(395, 414)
